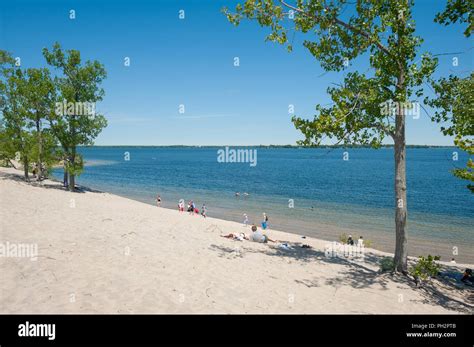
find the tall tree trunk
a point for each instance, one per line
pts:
(72, 182)
(65, 177)
(401, 251)
(25, 167)
(39, 166)
(72, 177)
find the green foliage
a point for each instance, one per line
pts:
(385, 29)
(425, 267)
(387, 264)
(343, 238)
(17, 138)
(77, 83)
(30, 126)
(454, 105)
(458, 10)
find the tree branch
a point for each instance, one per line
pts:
(342, 23)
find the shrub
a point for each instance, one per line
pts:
(387, 264)
(425, 268)
(367, 243)
(343, 238)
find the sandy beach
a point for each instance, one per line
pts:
(101, 253)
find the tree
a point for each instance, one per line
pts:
(366, 108)
(6, 61)
(454, 98)
(20, 140)
(78, 87)
(454, 105)
(39, 95)
(458, 10)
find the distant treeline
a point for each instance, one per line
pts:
(264, 146)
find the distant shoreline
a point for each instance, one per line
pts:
(267, 146)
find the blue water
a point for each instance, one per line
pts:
(354, 194)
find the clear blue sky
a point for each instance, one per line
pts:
(190, 62)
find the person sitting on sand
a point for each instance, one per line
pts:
(238, 237)
(467, 276)
(258, 236)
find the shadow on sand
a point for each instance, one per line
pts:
(361, 274)
(47, 184)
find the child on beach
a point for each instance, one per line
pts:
(265, 221)
(246, 220)
(350, 241)
(181, 205)
(158, 200)
(360, 242)
(203, 210)
(191, 207)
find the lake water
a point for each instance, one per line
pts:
(330, 195)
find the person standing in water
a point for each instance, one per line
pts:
(158, 200)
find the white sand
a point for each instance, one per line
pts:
(107, 254)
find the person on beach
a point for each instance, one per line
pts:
(238, 237)
(191, 207)
(360, 242)
(350, 241)
(158, 200)
(258, 236)
(467, 276)
(203, 210)
(265, 221)
(181, 205)
(246, 220)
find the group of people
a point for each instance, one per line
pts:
(264, 223)
(191, 208)
(360, 241)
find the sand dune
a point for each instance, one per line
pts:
(100, 253)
